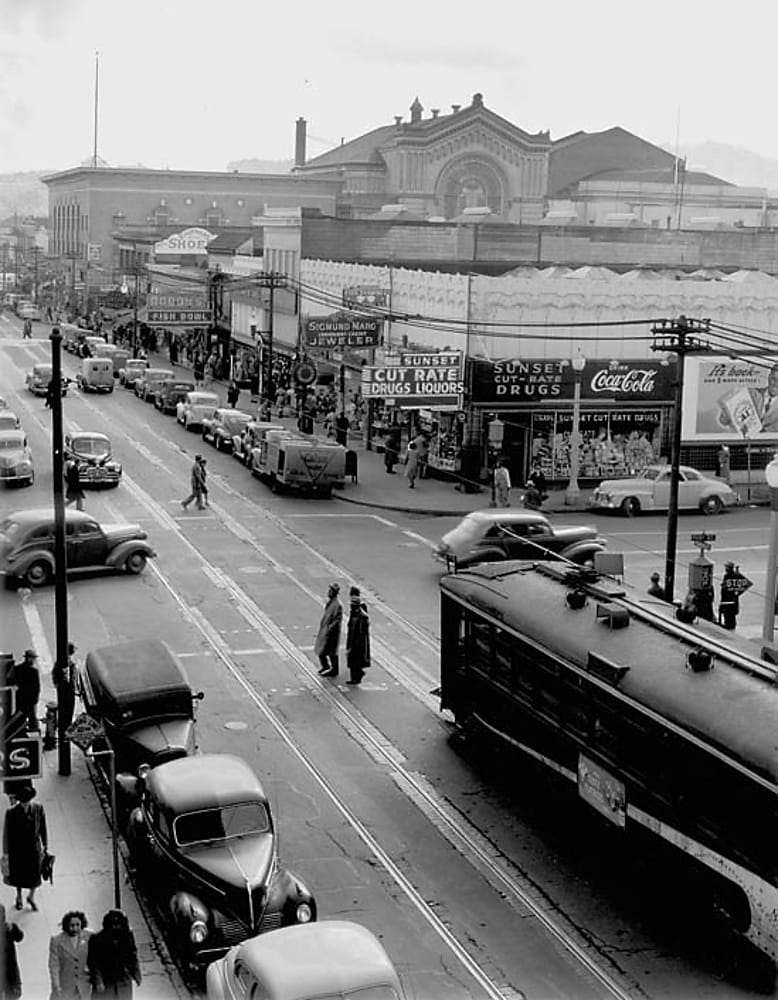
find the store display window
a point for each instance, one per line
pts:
(613, 443)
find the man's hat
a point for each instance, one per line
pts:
(335, 587)
(30, 654)
(655, 577)
(198, 458)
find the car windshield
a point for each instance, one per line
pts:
(11, 442)
(136, 363)
(382, 991)
(44, 370)
(91, 446)
(240, 820)
(203, 399)
(651, 472)
(235, 421)
(7, 420)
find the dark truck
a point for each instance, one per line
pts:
(139, 692)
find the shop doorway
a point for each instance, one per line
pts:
(515, 448)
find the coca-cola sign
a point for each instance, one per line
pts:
(531, 380)
(624, 380)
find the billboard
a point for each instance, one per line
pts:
(727, 399)
(189, 241)
(178, 309)
(342, 330)
(429, 380)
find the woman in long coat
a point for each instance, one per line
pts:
(25, 841)
(357, 638)
(328, 638)
(412, 464)
(112, 958)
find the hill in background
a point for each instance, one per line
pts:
(23, 194)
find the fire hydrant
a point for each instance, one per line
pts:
(50, 726)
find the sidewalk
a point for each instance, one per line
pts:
(80, 839)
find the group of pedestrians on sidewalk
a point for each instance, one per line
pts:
(357, 636)
(699, 603)
(82, 964)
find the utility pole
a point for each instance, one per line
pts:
(35, 255)
(679, 337)
(60, 550)
(271, 281)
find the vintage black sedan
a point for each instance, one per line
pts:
(204, 843)
(27, 546)
(170, 393)
(502, 533)
(37, 380)
(96, 464)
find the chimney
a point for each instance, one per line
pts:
(455, 107)
(299, 142)
(435, 112)
(398, 119)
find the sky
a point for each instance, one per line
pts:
(190, 84)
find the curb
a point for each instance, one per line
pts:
(428, 511)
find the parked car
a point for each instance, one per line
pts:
(118, 355)
(9, 421)
(225, 423)
(191, 410)
(139, 692)
(147, 384)
(37, 380)
(170, 393)
(27, 545)
(252, 436)
(96, 464)
(133, 369)
(496, 534)
(203, 840)
(321, 961)
(16, 465)
(95, 375)
(651, 491)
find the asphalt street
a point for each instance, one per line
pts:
(476, 889)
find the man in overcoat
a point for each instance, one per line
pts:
(328, 638)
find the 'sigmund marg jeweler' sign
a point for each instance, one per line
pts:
(538, 380)
(419, 380)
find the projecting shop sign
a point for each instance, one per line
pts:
(343, 330)
(178, 309)
(420, 380)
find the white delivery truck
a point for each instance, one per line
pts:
(288, 460)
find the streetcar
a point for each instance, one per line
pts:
(667, 730)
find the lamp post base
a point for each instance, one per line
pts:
(572, 495)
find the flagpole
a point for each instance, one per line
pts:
(97, 81)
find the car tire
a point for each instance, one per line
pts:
(630, 507)
(37, 574)
(712, 505)
(136, 563)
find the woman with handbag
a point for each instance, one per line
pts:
(25, 844)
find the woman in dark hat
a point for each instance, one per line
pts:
(25, 841)
(112, 958)
(357, 637)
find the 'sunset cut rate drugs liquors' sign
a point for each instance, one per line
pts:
(419, 380)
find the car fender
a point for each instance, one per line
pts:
(119, 555)
(19, 567)
(286, 892)
(584, 549)
(185, 908)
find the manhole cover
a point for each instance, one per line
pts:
(236, 726)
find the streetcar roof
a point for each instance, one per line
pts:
(733, 707)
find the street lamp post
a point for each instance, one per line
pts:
(573, 491)
(768, 622)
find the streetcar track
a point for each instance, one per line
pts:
(463, 837)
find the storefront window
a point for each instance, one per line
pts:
(613, 443)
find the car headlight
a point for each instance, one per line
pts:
(304, 913)
(198, 932)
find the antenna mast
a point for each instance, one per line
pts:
(97, 81)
